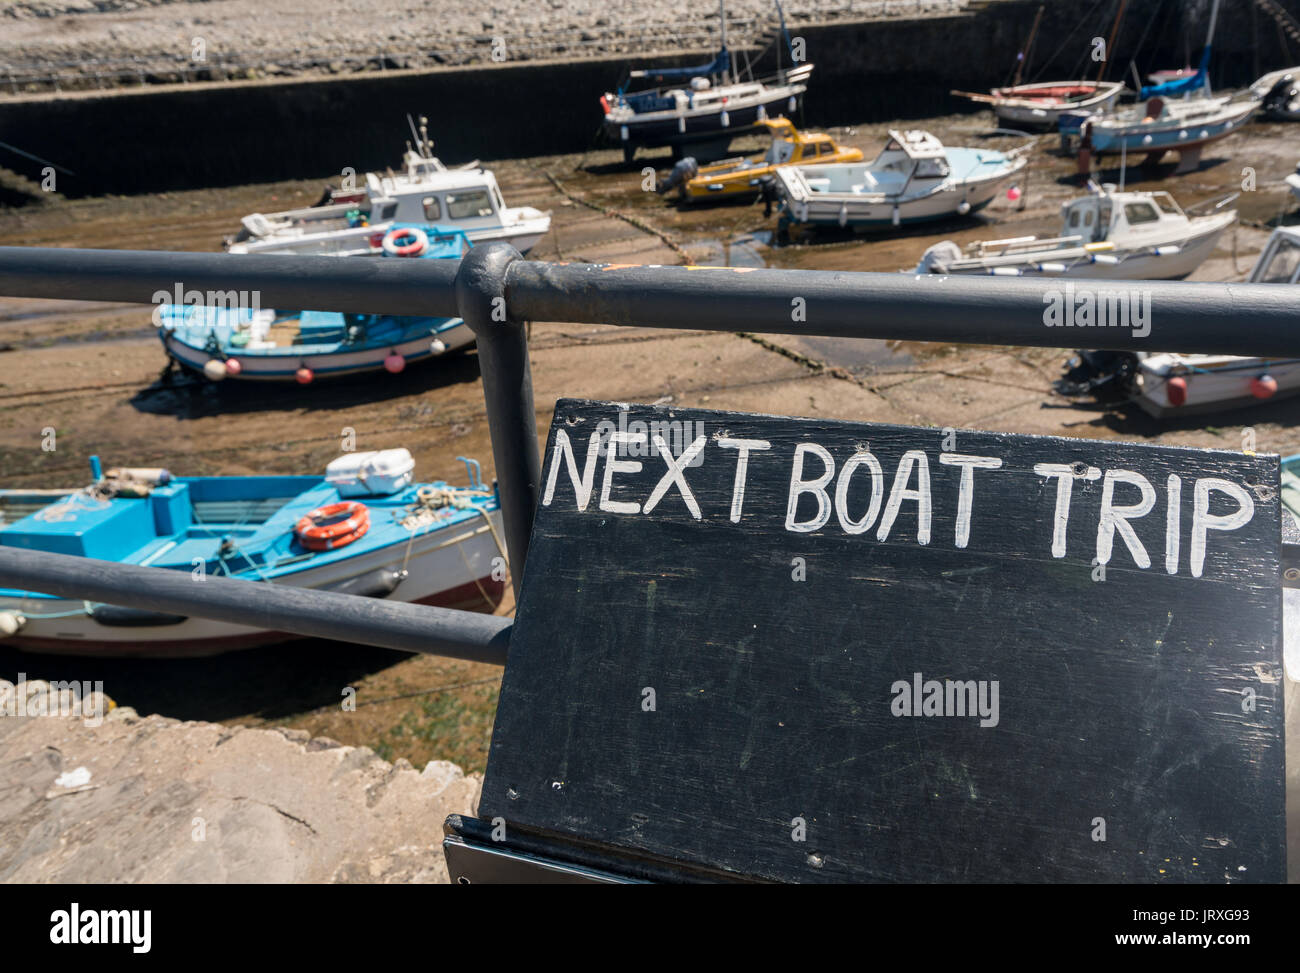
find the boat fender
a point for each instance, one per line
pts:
(963, 208)
(394, 363)
(1176, 390)
(379, 583)
(214, 369)
(11, 623)
(304, 375)
(1263, 386)
(233, 367)
(115, 616)
(604, 104)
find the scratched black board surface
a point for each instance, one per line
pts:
(1135, 706)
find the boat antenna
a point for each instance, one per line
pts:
(411, 123)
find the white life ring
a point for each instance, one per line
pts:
(419, 242)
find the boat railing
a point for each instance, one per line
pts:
(1022, 243)
(496, 292)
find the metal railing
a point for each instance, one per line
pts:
(495, 291)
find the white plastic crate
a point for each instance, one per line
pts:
(379, 473)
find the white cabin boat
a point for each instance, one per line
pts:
(914, 179)
(1109, 235)
(1168, 384)
(425, 191)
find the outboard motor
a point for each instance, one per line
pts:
(683, 172)
(1283, 100)
(1107, 375)
(935, 260)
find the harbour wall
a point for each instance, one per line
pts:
(151, 139)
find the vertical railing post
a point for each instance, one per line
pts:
(507, 390)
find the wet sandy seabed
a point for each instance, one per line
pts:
(91, 371)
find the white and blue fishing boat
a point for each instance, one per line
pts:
(253, 343)
(915, 179)
(703, 106)
(365, 528)
(1181, 115)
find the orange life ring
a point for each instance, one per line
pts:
(334, 525)
(419, 242)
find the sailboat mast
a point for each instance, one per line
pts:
(1214, 19)
(1110, 44)
(1024, 55)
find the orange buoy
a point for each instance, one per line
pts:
(1176, 390)
(334, 525)
(1263, 386)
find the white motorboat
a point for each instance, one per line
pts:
(913, 180)
(1168, 383)
(353, 222)
(1107, 234)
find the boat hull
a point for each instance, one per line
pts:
(1021, 112)
(692, 127)
(1217, 383)
(451, 568)
(281, 365)
(1193, 251)
(1160, 137)
(843, 210)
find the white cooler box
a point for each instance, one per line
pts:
(380, 473)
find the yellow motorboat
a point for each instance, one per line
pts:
(733, 178)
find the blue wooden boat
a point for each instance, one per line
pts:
(237, 339)
(365, 528)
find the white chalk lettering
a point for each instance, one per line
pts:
(743, 446)
(1115, 518)
(817, 487)
(581, 486)
(675, 475)
(842, 492)
(965, 492)
(1203, 520)
(901, 492)
(614, 465)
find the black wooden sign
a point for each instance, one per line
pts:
(811, 650)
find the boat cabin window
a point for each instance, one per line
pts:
(496, 195)
(461, 206)
(1137, 213)
(387, 211)
(1074, 219)
(1283, 263)
(1087, 218)
(432, 209)
(1167, 204)
(931, 169)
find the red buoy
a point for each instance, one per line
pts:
(394, 363)
(1176, 390)
(233, 367)
(304, 375)
(1263, 386)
